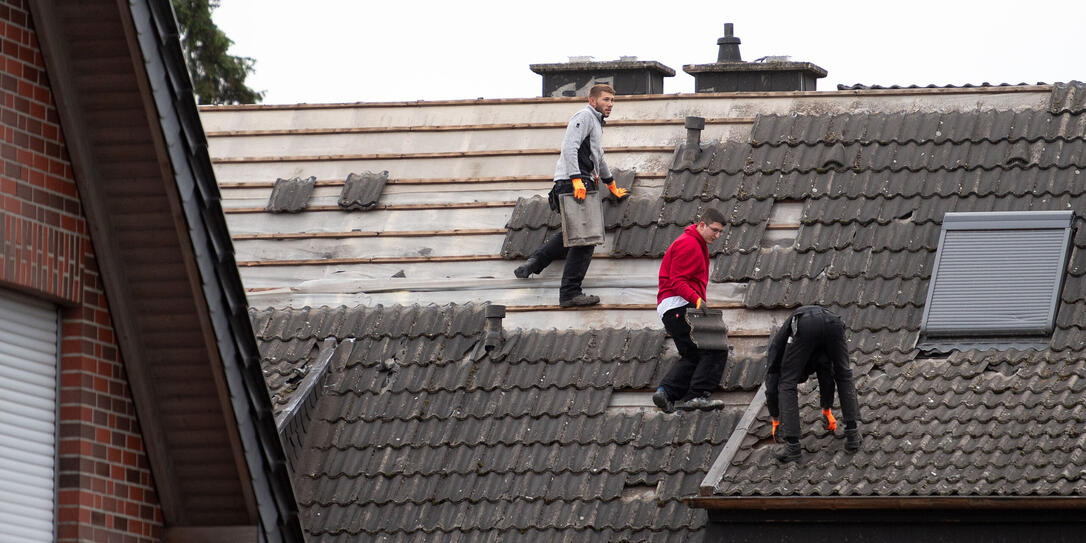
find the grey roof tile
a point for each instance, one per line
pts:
(291, 195)
(362, 191)
(1068, 97)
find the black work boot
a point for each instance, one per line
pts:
(660, 399)
(790, 452)
(853, 441)
(528, 268)
(580, 300)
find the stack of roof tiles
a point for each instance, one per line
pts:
(423, 435)
(977, 422)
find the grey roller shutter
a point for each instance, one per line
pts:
(28, 385)
(997, 274)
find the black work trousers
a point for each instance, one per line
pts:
(577, 258)
(698, 371)
(819, 333)
(577, 261)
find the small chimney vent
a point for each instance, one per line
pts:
(492, 329)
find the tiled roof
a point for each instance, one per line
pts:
(976, 423)
(860, 86)
(420, 434)
(361, 191)
(291, 195)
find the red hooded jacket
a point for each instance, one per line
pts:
(685, 268)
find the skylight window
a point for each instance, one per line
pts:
(997, 275)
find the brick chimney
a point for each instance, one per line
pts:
(730, 74)
(627, 75)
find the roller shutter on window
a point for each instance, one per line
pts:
(997, 274)
(28, 384)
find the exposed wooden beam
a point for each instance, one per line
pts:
(371, 234)
(446, 154)
(462, 127)
(367, 260)
(424, 181)
(389, 207)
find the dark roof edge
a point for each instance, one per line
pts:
(731, 447)
(885, 502)
(171, 90)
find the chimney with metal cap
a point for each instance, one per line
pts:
(730, 74)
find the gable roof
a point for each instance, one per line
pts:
(421, 433)
(166, 260)
(976, 423)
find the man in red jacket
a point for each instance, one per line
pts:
(684, 274)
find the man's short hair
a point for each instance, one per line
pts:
(599, 89)
(711, 215)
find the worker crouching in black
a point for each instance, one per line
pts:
(812, 340)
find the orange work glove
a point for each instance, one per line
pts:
(619, 192)
(828, 421)
(776, 423)
(579, 191)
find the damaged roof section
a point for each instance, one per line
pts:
(423, 433)
(977, 422)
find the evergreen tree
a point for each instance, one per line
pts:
(217, 78)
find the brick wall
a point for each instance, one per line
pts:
(104, 482)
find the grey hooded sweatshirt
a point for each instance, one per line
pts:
(582, 148)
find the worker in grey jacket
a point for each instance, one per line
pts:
(580, 165)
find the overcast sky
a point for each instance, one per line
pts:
(321, 51)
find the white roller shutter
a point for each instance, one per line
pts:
(28, 396)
